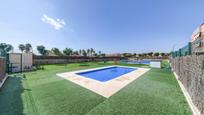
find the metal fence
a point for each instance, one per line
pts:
(186, 50)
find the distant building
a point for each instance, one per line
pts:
(197, 40)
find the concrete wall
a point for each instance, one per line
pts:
(20, 61)
(190, 70)
(2, 69)
(27, 61)
(15, 62)
(155, 64)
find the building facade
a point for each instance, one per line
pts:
(197, 40)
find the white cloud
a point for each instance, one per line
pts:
(57, 24)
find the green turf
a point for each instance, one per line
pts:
(43, 93)
(155, 93)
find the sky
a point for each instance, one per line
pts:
(111, 26)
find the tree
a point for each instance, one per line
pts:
(167, 54)
(28, 48)
(126, 54)
(145, 54)
(88, 52)
(134, 54)
(140, 55)
(41, 49)
(68, 51)
(92, 51)
(95, 54)
(162, 54)
(75, 52)
(150, 54)
(21, 47)
(156, 54)
(103, 54)
(5, 48)
(99, 53)
(80, 52)
(84, 53)
(56, 51)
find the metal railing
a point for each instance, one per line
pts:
(186, 50)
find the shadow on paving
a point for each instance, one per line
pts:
(11, 102)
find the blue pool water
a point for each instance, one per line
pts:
(106, 73)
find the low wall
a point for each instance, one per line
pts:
(69, 59)
(2, 69)
(190, 70)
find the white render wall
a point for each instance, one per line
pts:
(155, 64)
(27, 61)
(15, 60)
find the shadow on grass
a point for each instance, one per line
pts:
(102, 63)
(11, 102)
(61, 64)
(84, 65)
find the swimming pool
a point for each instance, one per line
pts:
(106, 74)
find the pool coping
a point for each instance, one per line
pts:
(108, 88)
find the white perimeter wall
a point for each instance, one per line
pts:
(15, 59)
(155, 64)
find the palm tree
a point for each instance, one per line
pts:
(88, 52)
(92, 51)
(5, 48)
(56, 51)
(80, 52)
(84, 53)
(156, 54)
(21, 47)
(141, 55)
(145, 54)
(41, 49)
(99, 53)
(75, 52)
(68, 51)
(28, 47)
(150, 54)
(162, 54)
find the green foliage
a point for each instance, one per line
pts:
(84, 53)
(126, 54)
(56, 51)
(68, 51)
(156, 54)
(21, 47)
(25, 48)
(41, 49)
(28, 48)
(162, 54)
(150, 54)
(6, 47)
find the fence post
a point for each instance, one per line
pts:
(190, 48)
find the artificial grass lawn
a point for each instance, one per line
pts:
(43, 93)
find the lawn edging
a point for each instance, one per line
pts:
(187, 96)
(1, 84)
